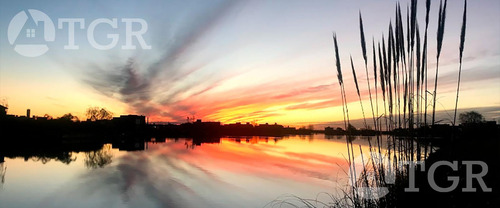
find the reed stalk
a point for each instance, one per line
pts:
(375, 79)
(382, 84)
(341, 81)
(357, 90)
(418, 86)
(440, 35)
(363, 47)
(462, 42)
(424, 63)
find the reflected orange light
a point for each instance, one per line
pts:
(322, 160)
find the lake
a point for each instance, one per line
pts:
(225, 172)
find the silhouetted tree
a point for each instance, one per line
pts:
(470, 117)
(310, 127)
(3, 101)
(351, 128)
(69, 117)
(100, 158)
(96, 113)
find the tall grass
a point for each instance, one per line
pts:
(387, 66)
(401, 63)
(363, 48)
(462, 42)
(440, 34)
(382, 82)
(345, 111)
(419, 72)
(377, 127)
(425, 67)
(359, 95)
(400, 70)
(341, 81)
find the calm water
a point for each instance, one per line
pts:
(234, 172)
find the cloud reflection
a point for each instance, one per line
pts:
(226, 174)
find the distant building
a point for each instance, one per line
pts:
(3, 111)
(271, 130)
(41, 118)
(130, 120)
(332, 131)
(200, 128)
(28, 113)
(207, 124)
(238, 129)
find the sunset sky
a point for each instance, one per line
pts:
(229, 61)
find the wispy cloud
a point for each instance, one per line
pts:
(163, 82)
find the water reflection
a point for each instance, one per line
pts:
(64, 157)
(3, 171)
(99, 158)
(44, 153)
(96, 153)
(211, 172)
(177, 172)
